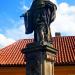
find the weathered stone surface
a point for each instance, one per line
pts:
(40, 60)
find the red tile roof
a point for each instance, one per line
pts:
(66, 49)
(12, 55)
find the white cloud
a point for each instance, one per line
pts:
(65, 20)
(4, 41)
(25, 7)
(54, 1)
(18, 32)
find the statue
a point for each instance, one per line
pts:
(38, 19)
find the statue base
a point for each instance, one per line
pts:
(39, 59)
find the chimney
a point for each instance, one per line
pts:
(57, 34)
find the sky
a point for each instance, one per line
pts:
(12, 26)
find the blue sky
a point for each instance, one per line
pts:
(12, 26)
(9, 9)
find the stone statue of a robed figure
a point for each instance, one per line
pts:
(38, 19)
(39, 55)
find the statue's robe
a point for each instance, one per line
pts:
(28, 22)
(28, 17)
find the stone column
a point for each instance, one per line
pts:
(40, 60)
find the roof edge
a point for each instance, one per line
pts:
(12, 65)
(66, 64)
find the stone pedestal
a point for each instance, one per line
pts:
(40, 60)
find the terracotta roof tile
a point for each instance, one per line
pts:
(66, 49)
(12, 54)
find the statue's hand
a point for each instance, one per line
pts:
(22, 15)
